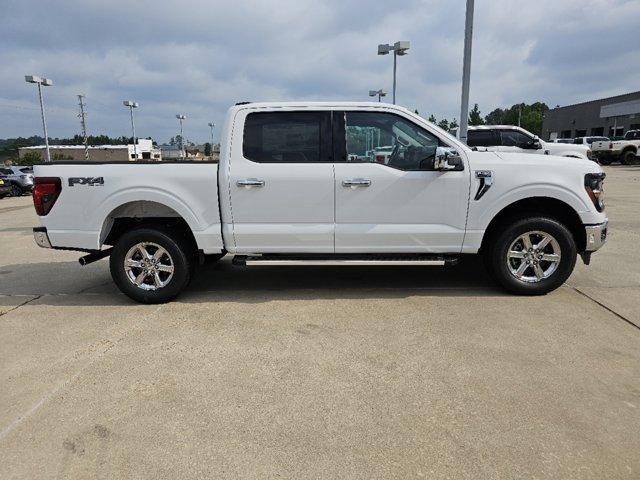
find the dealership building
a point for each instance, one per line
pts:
(609, 117)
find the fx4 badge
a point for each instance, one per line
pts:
(90, 181)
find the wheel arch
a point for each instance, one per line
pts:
(546, 206)
(139, 213)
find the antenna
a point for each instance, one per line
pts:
(83, 121)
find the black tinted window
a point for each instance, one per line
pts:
(514, 138)
(480, 138)
(285, 137)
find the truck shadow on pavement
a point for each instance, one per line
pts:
(69, 283)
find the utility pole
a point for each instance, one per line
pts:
(181, 118)
(399, 48)
(131, 105)
(83, 121)
(212, 126)
(519, 113)
(466, 72)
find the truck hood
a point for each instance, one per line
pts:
(551, 162)
(564, 148)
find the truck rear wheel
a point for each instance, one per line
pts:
(151, 265)
(532, 256)
(627, 158)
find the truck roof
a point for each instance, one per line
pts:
(307, 104)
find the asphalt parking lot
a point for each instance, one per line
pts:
(262, 372)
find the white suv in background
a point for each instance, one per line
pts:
(507, 138)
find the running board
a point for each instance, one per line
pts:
(344, 260)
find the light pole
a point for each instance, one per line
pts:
(380, 93)
(466, 72)
(399, 48)
(212, 126)
(181, 118)
(132, 105)
(47, 83)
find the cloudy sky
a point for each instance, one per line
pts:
(199, 57)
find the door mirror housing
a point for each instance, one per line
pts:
(535, 143)
(447, 158)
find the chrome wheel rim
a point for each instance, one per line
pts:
(148, 266)
(533, 256)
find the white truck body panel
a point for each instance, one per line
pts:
(303, 207)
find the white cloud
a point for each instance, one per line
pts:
(199, 57)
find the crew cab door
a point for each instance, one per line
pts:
(403, 204)
(282, 182)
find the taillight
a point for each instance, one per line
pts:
(45, 194)
(380, 158)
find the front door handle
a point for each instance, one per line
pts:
(250, 182)
(356, 182)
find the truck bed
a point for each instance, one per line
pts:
(93, 192)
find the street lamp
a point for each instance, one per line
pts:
(47, 83)
(466, 73)
(380, 93)
(399, 48)
(181, 118)
(212, 125)
(132, 105)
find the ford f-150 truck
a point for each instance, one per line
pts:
(625, 151)
(293, 187)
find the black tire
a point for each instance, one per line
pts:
(16, 190)
(627, 158)
(500, 267)
(604, 161)
(179, 255)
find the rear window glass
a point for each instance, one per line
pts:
(284, 137)
(480, 138)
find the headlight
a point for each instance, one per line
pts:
(593, 185)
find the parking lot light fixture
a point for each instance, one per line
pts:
(399, 49)
(181, 117)
(46, 82)
(380, 93)
(132, 105)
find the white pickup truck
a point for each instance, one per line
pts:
(625, 151)
(291, 188)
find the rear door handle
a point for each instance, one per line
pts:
(250, 182)
(356, 182)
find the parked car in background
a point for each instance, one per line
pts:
(20, 179)
(563, 140)
(508, 138)
(5, 188)
(382, 154)
(624, 151)
(589, 140)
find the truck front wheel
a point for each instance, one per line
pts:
(151, 265)
(532, 256)
(628, 157)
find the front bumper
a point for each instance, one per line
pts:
(41, 237)
(596, 236)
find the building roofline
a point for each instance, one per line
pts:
(597, 100)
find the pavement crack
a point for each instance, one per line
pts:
(20, 305)
(609, 309)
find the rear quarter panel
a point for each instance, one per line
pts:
(79, 215)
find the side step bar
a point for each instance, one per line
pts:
(344, 260)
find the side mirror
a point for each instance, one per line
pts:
(536, 145)
(447, 158)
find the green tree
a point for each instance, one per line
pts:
(475, 118)
(444, 124)
(31, 158)
(207, 149)
(432, 118)
(453, 124)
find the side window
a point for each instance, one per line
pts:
(286, 137)
(577, 141)
(481, 138)
(390, 140)
(6, 171)
(514, 138)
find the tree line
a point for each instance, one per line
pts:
(529, 116)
